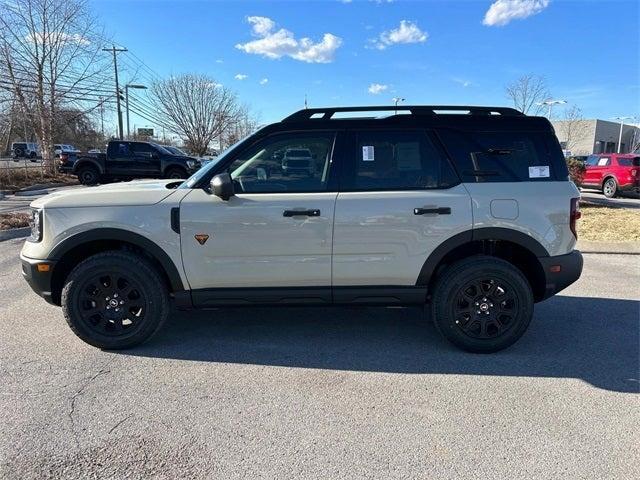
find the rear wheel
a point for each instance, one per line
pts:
(482, 304)
(115, 300)
(610, 187)
(88, 175)
(176, 173)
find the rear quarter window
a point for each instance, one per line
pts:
(505, 156)
(629, 162)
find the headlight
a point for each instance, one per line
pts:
(35, 222)
(191, 163)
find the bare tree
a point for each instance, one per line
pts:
(527, 92)
(244, 124)
(634, 144)
(195, 107)
(573, 128)
(50, 57)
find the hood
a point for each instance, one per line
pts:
(136, 192)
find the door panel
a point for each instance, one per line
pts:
(379, 240)
(253, 244)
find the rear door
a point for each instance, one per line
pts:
(146, 159)
(399, 199)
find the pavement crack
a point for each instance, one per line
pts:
(73, 399)
(120, 423)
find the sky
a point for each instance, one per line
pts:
(340, 52)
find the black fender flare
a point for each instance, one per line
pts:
(83, 161)
(125, 236)
(468, 236)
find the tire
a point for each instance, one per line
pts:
(18, 153)
(488, 285)
(33, 156)
(610, 187)
(88, 175)
(115, 300)
(176, 172)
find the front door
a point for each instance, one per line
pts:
(400, 200)
(271, 241)
(146, 159)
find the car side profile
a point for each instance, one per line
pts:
(467, 211)
(28, 150)
(613, 173)
(125, 160)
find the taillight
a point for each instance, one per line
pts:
(574, 215)
(634, 172)
(64, 157)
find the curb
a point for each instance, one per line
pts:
(30, 193)
(14, 233)
(621, 248)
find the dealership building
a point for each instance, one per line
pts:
(584, 137)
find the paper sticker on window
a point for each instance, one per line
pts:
(540, 171)
(368, 153)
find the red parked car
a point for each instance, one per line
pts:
(613, 173)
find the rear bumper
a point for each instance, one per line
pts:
(561, 271)
(39, 281)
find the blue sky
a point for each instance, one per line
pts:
(429, 52)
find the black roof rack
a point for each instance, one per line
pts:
(327, 113)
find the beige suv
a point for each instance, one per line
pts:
(467, 210)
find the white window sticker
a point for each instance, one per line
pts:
(540, 171)
(368, 153)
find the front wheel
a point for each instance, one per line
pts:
(482, 304)
(610, 188)
(176, 173)
(115, 300)
(88, 175)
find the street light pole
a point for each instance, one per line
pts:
(126, 100)
(550, 103)
(622, 119)
(397, 100)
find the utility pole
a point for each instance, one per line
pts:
(126, 101)
(115, 50)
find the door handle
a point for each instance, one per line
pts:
(302, 213)
(436, 210)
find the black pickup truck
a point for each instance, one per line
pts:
(126, 160)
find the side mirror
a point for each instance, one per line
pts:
(222, 186)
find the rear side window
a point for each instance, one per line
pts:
(398, 160)
(629, 162)
(505, 156)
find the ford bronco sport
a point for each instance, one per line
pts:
(466, 210)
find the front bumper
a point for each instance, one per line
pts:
(38, 280)
(560, 271)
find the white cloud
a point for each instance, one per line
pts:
(241, 76)
(502, 12)
(407, 32)
(219, 60)
(377, 88)
(462, 81)
(57, 37)
(264, 81)
(277, 44)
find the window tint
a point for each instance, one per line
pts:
(592, 160)
(392, 160)
(629, 162)
(118, 149)
(284, 163)
(142, 148)
(505, 156)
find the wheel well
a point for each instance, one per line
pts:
(175, 167)
(77, 254)
(521, 257)
(84, 164)
(607, 177)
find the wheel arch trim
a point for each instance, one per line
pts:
(84, 161)
(116, 234)
(468, 236)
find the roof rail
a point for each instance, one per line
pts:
(327, 113)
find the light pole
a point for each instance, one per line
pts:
(397, 100)
(550, 103)
(126, 100)
(622, 119)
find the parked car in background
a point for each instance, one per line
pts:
(127, 160)
(175, 150)
(298, 161)
(612, 173)
(28, 150)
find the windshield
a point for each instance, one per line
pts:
(175, 150)
(161, 149)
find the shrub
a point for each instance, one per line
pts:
(576, 170)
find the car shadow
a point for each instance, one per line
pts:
(593, 339)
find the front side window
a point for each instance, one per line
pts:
(284, 163)
(144, 148)
(399, 160)
(592, 160)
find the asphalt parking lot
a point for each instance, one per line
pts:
(326, 393)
